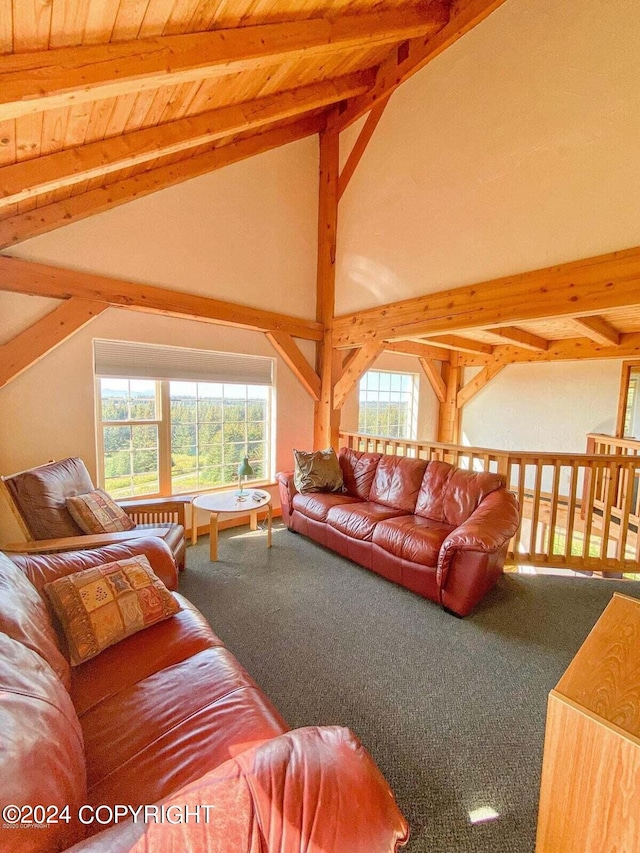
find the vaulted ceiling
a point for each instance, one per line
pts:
(102, 101)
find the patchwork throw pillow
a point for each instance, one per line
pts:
(318, 471)
(98, 607)
(96, 512)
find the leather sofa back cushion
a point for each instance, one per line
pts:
(42, 756)
(358, 471)
(397, 482)
(465, 491)
(41, 493)
(450, 494)
(24, 617)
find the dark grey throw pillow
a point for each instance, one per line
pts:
(317, 471)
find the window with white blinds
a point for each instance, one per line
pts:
(173, 420)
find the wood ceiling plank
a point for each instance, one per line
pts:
(32, 344)
(39, 80)
(404, 61)
(68, 21)
(291, 354)
(48, 173)
(129, 19)
(520, 337)
(31, 25)
(19, 276)
(6, 26)
(25, 225)
(598, 329)
(583, 287)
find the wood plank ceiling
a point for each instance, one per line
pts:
(95, 94)
(102, 101)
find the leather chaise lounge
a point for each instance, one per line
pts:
(166, 716)
(440, 531)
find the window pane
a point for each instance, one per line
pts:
(128, 399)
(229, 423)
(387, 404)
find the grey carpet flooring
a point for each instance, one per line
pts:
(452, 710)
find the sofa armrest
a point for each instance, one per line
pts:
(287, 490)
(487, 529)
(44, 568)
(312, 790)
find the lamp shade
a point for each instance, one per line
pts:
(244, 469)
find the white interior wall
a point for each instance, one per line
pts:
(245, 234)
(515, 149)
(544, 407)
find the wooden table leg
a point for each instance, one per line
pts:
(253, 520)
(213, 537)
(269, 518)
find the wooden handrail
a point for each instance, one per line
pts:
(579, 511)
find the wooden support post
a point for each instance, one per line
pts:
(478, 382)
(360, 145)
(433, 374)
(328, 364)
(289, 351)
(450, 416)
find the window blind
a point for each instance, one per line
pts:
(148, 361)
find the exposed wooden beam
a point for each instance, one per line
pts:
(50, 79)
(360, 145)
(411, 56)
(568, 349)
(19, 276)
(32, 344)
(598, 329)
(583, 287)
(455, 342)
(290, 352)
(29, 178)
(419, 350)
(432, 372)
(469, 391)
(326, 427)
(22, 226)
(520, 337)
(367, 354)
(449, 415)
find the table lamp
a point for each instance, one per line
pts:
(244, 470)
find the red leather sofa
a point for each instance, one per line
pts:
(167, 716)
(440, 531)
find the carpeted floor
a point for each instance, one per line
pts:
(452, 710)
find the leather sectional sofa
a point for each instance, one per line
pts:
(167, 716)
(440, 531)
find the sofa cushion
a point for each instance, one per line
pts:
(430, 501)
(141, 655)
(465, 491)
(316, 505)
(358, 471)
(97, 512)
(359, 520)
(412, 538)
(42, 493)
(24, 617)
(397, 482)
(317, 471)
(168, 729)
(101, 606)
(42, 755)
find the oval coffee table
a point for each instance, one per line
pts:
(220, 502)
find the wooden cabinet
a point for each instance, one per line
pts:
(590, 793)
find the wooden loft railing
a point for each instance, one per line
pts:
(555, 491)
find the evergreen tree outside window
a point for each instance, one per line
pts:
(388, 404)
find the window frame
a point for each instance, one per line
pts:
(163, 423)
(414, 406)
